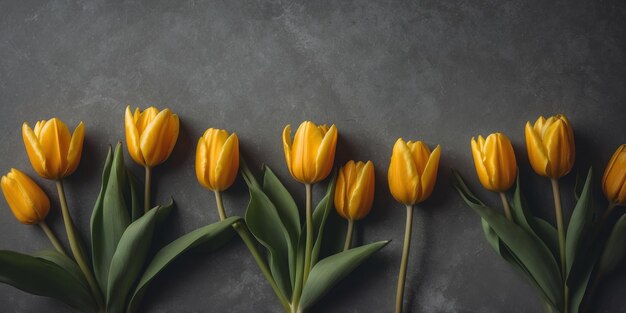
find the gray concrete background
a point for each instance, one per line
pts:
(440, 71)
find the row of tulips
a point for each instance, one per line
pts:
(299, 263)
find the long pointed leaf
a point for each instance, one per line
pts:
(42, 277)
(287, 211)
(614, 250)
(329, 271)
(215, 234)
(319, 218)
(533, 253)
(129, 257)
(579, 224)
(110, 216)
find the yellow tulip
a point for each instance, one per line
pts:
(614, 179)
(52, 151)
(29, 203)
(550, 144)
(354, 193)
(495, 163)
(217, 159)
(150, 135)
(412, 171)
(311, 155)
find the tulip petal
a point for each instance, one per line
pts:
(403, 177)
(537, 154)
(421, 153)
(304, 152)
(55, 140)
(227, 163)
(29, 189)
(143, 119)
(326, 154)
(202, 164)
(151, 138)
(362, 195)
(170, 136)
(479, 162)
(429, 177)
(287, 147)
(614, 176)
(75, 149)
(132, 136)
(34, 151)
(16, 201)
(560, 152)
(340, 194)
(215, 141)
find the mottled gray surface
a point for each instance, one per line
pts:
(440, 71)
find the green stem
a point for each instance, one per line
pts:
(405, 258)
(560, 223)
(146, 194)
(309, 235)
(77, 250)
(346, 244)
(247, 238)
(507, 206)
(53, 239)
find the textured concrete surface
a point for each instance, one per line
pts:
(440, 71)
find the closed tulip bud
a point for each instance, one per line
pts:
(29, 203)
(614, 179)
(550, 144)
(354, 193)
(150, 135)
(412, 171)
(217, 159)
(495, 162)
(52, 150)
(311, 155)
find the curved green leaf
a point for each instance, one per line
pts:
(215, 234)
(579, 225)
(287, 211)
(110, 215)
(266, 225)
(615, 250)
(319, 217)
(329, 271)
(129, 257)
(41, 276)
(533, 253)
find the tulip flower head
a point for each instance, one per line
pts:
(53, 152)
(150, 135)
(412, 171)
(29, 203)
(495, 163)
(614, 179)
(311, 155)
(354, 193)
(217, 159)
(550, 144)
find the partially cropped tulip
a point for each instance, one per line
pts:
(52, 150)
(29, 203)
(614, 179)
(311, 155)
(550, 144)
(217, 159)
(354, 192)
(495, 163)
(412, 171)
(150, 135)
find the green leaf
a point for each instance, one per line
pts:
(329, 271)
(266, 225)
(547, 233)
(136, 193)
(110, 215)
(129, 257)
(214, 235)
(43, 277)
(531, 252)
(614, 250)
(319, 218)
(579, 225)
(288, 213)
